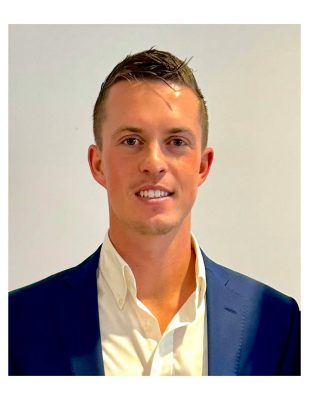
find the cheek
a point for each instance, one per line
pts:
(116, 176)
(112, 169)
(189, 173)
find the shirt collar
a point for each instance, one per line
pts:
(120, 278)
(116, 272)
(200, 272)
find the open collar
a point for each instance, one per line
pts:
(76, 311)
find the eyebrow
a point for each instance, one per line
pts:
(180, 129)
(127, 128)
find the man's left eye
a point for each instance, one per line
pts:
(178, 142)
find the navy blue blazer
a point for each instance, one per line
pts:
(54, 325)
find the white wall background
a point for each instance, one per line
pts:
(247, 215)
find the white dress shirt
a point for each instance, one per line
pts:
(132, 343)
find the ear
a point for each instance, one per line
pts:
(96, 164)
(206, 161)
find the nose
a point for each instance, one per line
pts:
(153, 161)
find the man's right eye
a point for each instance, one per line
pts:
(130, 141)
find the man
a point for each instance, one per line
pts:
(149, 301)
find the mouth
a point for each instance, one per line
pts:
(153, 194)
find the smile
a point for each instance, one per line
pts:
(152, 194)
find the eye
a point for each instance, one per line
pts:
(178, 142)
(131, 141)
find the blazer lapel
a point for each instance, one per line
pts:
(78, 318)
(225, 321)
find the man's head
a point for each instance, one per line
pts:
(153, 157)
(149, 65)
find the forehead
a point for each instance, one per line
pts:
(151, 96)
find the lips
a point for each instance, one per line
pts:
(153, 192)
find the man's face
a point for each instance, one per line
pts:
(151, 162)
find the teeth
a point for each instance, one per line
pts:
(153, 193)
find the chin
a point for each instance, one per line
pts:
(155, 228)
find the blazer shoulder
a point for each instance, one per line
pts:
(245, 286)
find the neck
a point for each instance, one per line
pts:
(163, 267)
(154, 255)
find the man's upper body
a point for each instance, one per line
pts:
(56, 328)
(151, 155)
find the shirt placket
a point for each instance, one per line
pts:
(162, 364)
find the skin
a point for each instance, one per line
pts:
(152, 139)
